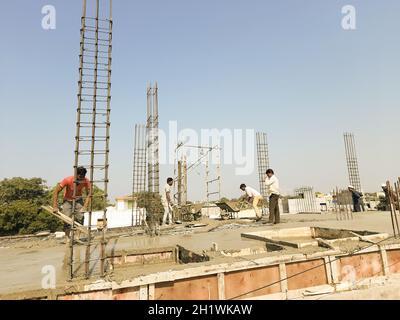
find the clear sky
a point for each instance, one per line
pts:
(285, 67)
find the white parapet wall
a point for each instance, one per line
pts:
(117, 218)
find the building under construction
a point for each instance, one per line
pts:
(216, 250)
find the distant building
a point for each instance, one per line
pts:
(119, 216)
(125, 202)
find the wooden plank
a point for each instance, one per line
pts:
(252, 283)
(393, 258)
(329, 274)
(151, 291)
(306, 274)
(283, 277)
(384, 257)
(221, 286)
(143, 292)
(196, 288)
(360, 266)
(65, 219)
(126, 294)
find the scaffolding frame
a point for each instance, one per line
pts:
(205, 153)
(213, 177)
(93, 122)
(153, 165)
(306, 193)
(342, 204)
(352, 161)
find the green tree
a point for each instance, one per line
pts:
(152, 202)
(22, 189)
(20, 201)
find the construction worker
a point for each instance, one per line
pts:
(166, 200)
(272, 188)
(68, 184)
(393, 196)
(356, 196)
(253, 197)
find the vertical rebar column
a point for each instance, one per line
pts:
(107, 145)
(335, 202)
(93, 137)
(152, 138)
(93, 120)
(77, 140)
(182, 181)
(149, 138)
(352, 162)
(262, 160)
(393, 214)
(139, 170)
(156, 165)
(397, 203)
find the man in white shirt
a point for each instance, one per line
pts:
(253, 197)
(166, 201)
(272, 186)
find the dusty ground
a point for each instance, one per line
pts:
(21, 261)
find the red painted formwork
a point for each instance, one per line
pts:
(306, 274)
(198, 288)
(360, 266)
(252, 283)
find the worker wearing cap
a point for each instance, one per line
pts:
(254, 197)
(356, 196)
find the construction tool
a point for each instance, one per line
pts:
(65, 219)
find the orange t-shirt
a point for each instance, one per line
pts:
(68, 183)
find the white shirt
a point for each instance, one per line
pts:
(252, 192)
(167, 188)
(272, 185)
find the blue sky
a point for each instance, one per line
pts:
(284, 67)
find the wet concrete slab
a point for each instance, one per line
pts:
(21, 267)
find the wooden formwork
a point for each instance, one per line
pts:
(267, 277)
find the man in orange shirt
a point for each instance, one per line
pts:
(68, 184)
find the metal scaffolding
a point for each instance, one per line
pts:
(213, 175)
(352, 163)
(139, 170)
(212, 172)
(342, 204)
(153, 170)
(93, 118)
(262, 160)
(306, 200)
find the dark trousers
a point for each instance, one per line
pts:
(274, 216)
